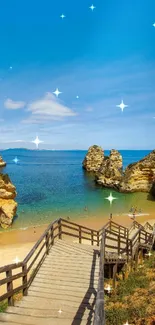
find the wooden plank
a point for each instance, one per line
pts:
(39, 241)
(73, 223)
(36, 256)
(99, 317)
(11, 293)
(10, 267)
(13, 277)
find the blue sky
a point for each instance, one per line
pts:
(102, 56)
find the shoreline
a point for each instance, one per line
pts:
(33, 233)
(19, 242)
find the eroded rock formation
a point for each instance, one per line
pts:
(110, 171)
(2, 162)
(8, 206)
(137, 177)
(93, 159)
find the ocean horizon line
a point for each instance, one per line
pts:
(29, 149)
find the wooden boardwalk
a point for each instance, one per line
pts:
(62, 281)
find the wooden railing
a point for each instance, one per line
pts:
(116, 238)
(99, 317)
(26, 270)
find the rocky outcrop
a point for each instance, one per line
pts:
(2, 162)
(93, 159)
(8, 206)
(138, 177)
(110, 171)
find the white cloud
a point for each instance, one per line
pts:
(10, 104)
(49, 107)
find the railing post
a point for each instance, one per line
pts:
(60, 229)
(9, 287)
(98, 238)
(127, 246)
(47, 243)
(92, 237)
(119, 244)
(80, 235)
(52, 236)
(24, 269)
(139, 237)
(131, 247)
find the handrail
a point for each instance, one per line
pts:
(99, 317)
(120, 237)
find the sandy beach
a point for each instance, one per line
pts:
(19, 242)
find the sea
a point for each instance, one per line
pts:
(52, 184)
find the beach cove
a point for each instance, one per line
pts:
(52, 184)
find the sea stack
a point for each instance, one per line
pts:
(93, 159)
(8, 206)
(110, 172)
(137, 177)
(2, 162)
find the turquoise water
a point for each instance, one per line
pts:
(51, 184)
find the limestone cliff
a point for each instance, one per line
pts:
(110, 171)
(2, 162)
(93, 159)
(8, 206)
(138, 177)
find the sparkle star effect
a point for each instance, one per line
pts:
(149, 254)
(77, 97)
(57, 92)
(108, 288)
(37, 141)
(122, 105)
(110, 198)
(10, 68)
(153, 25)
(63, 16)
(92, 7)
(15, 160)
(60, 311)
(16, 260)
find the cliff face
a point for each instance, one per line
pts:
(93, 159)
(138, 176)
(2, 163)
(110, 171)
(8, 206)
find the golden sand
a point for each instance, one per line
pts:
(19, 242)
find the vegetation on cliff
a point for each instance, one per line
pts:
(133, 300)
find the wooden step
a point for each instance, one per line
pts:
(54, 313)
(29, 320)
(78, 297)
(73, 276)
(41, 303)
